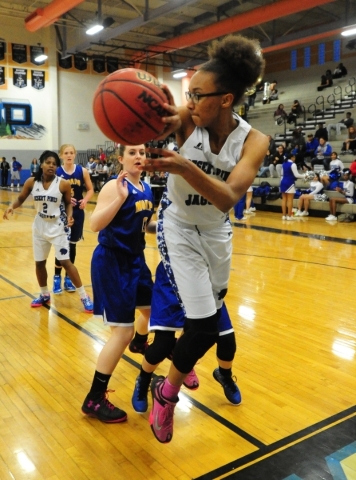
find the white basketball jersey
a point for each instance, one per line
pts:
(48, 203)
(186, 205)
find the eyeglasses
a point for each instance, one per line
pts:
(195, 97)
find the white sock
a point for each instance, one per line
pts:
(82, 292)
(44, 290)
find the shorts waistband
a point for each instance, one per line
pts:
(192, 226)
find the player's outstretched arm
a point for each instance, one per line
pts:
(25, 192)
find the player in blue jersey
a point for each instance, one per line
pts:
(121, 279)
(52, 200)
(166, 318)
(79, 180)
(219, 156)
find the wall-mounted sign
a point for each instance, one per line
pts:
(35, 51)
(2, 75)
(19, 77)
(38, 79)
(19, 53)
(2, 50)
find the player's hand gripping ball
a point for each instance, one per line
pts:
(128, 106)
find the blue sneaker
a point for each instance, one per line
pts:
(231, 390)
(88, 304)
(68, 285)
(40, 301)
(57, 280)
(139, 398)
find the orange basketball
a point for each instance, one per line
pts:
(128, 106)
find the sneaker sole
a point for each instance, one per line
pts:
(69, 290)
(88, 311)
(42, 305)
(92, 415)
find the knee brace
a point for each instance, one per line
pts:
(226, 347)
(161, 347)
(199, 336)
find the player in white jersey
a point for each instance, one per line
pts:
(52, 224)
(219, 157)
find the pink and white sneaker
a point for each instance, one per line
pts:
(191, 381)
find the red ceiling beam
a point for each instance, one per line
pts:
(42, 17)
(234, 24)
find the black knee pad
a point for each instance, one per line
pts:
(226, 347)
(199, 336)
(161, 347)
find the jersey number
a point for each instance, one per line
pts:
(45, 208)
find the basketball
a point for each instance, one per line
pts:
(128, 106)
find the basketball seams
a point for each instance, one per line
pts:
(148, 86)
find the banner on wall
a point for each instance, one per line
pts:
(2, 50)
(35, 51)
(19, 53)
(19, 77)
(2, 76)
(38, 79)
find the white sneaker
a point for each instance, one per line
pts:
(252, 209)
(331, 218)
(289, 218)
(240, 219)
(284, 217)
(304, 214)
(298, 213)
(248, 212)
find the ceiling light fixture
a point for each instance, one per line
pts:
(41, 58)
(94, 29)
(348, 33)
(179, 73)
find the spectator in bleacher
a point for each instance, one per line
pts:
(273, 90)
(290, 174)
(102, 155)
(275, 167)
(349, 146)
(322, 154)
(353, 169)
(335, 167)
(264, 168)
(252, 98)
(316, 187)
(347, 190)
(280, 112)
(295, 112)
(341, 124)
(340, 71)
(326, 81)
(310, 146)
(321, 132)
(272, 144)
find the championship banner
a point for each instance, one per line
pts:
(35, 51)
(2, 50)
(19, 53)
(2, 76)
(19, 77)
(38, 79)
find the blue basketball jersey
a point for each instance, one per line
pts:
(127, 229)
(76, 180)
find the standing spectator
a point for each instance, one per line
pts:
(275, 168)
(296, 112)
(341, 124)
(15, 167)
(322, 154)
(5, 167)
(347, 189)
(251, 99)
(321, 132)
(34, 167)
(290, 173)
(316, 187)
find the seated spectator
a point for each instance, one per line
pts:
(264, 168)
(280, 113)
(296, 112)
(340, 71)
(326, 81)
(322, 154)
(353, 169)
(102, 155)
(275, 167)
(310, 146)
(270, 92)
(347, 189)
(316, 187)
(350, 145)
(321, 132)
(341, 124)
(334, 173)
(91, 164)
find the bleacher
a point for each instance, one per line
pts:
(327, 106)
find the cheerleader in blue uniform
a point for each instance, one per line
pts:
(120, 277)
(289, 174)
(79, 180)
(167, 317)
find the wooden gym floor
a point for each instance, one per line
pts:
(291, 300)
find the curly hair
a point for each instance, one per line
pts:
(236, 62)
(46, 154)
